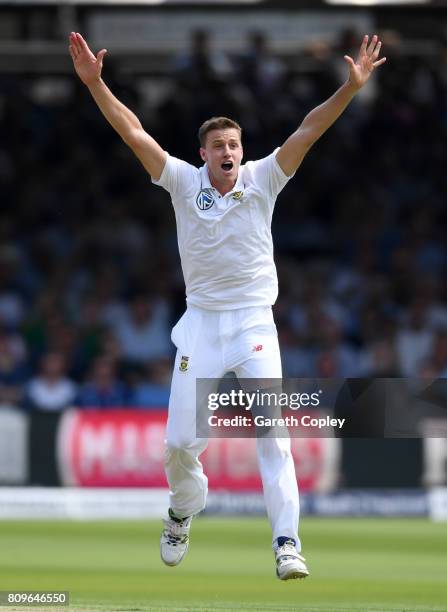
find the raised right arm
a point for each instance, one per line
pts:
(123, 120)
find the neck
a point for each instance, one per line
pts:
(222, 187)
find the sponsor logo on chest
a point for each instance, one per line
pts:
(205, 199)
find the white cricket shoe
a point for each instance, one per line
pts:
(289, 563)
(174, 539)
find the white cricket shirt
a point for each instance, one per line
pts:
(225, 242)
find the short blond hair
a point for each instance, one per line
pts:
(217, 123)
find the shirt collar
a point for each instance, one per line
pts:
(205, 180)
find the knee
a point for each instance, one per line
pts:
(182, 443)
(177, 444)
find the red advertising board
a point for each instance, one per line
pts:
(125, 448)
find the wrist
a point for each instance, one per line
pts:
(351, 87)
(94, 84)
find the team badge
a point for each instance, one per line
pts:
(237, 195)
(183, 364)
(205, 199)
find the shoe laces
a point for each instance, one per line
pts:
(176, 533)
(288, 551)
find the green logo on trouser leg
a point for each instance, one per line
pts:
(183, 364)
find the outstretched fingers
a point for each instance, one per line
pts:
(79, 46)
(75, 44)
(349, 60)
(364, 44)
(100, 55)
(72, 52)
(83, 45)
(379, 62)
(372, 45)
(376, 52)
(375, 55)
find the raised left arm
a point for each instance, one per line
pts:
(293, 151)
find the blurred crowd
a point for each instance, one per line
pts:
(90, 280)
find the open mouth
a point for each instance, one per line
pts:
(227, 166)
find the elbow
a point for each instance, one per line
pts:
(308, 136)
(132, 138)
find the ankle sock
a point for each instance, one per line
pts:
(176, 519)
(283, 539)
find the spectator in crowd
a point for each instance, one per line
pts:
(380, 359)
(296, 361)
(259, 68)
(103, 388)
(13, 367)
(414, 341)
(201, 64)
(435, 365)
(143, 332)
(152, 386)
(334, 357)
(12, 307)
(51, 390)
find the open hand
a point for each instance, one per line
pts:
(87, 66)
(360, 71)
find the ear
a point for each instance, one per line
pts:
(202, 152)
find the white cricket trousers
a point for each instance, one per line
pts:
(213, 343)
